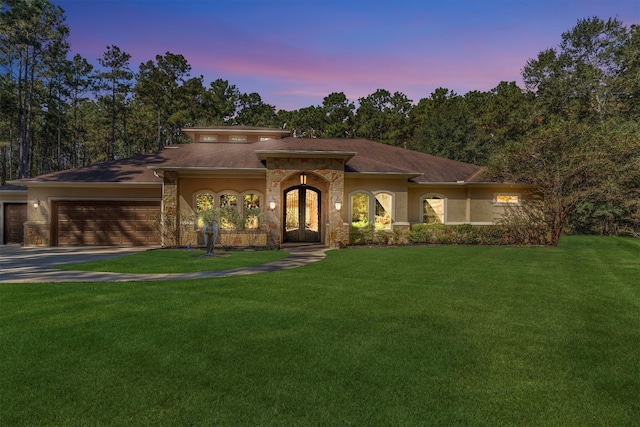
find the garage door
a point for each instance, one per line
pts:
(15, 215)
(106, 223)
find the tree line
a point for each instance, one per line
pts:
(59, 111)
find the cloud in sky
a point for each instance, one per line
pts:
(294, 53)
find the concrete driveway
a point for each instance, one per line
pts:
(34, 264)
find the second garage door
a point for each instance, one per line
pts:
(15, 215)
(106, 223)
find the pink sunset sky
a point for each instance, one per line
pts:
(294, 53)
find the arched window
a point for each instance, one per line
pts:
(251, 208)
(359, 209)
(230, 216)
(376, 209)
(433, 209)
(204, 201)
(383, 219)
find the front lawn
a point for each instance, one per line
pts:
(441, 335)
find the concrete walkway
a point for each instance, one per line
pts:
(32, 265)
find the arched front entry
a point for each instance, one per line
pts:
(302, 214)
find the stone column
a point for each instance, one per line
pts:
(170, 217)
(337, 235)
(275, 174)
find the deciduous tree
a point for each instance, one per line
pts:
(577, 80)
(567, 162)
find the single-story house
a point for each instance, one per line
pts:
(288, 189)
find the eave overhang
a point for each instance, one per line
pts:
(193, 133)
(304, 154)
(68, 184)
(381, 175)
(13, 189)
(200, 171)
(469, 184)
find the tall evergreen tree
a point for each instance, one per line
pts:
(30, 32)
(114, 83)
(163, 85)
(80, 81)
(383, 117)
(340, 115)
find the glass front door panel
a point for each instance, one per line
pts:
(292, 214)
(302, 215)
(311, 211)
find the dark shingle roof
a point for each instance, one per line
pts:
(9, 188)
(131, 170)
(370, 157)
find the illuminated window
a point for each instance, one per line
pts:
(231, 209)
(208, 138)
(506, 199)
(433, 210)
(238, 138)
(366, 209)
(359, 209)
(383, 211)
(265, 138)
(229, 214)
(251, 210)
(204, 202)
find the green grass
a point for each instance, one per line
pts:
(449, 335)
(178, 261)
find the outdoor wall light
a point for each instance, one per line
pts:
(338, 203)
(303, 178)
(272, 204)
(36, 204)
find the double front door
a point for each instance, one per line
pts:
(302, 214)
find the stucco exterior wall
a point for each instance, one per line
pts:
(395, 186)
(469, 204)
(483, 205)
(456, 207)
(38, 225)
(189, 187)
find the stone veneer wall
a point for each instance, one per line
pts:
(327, 175)
(170, 204)
(37, 233)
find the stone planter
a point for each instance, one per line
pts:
(242, 239)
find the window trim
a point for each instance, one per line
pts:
(433, 196)
(392, 208)
(372, 206)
